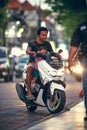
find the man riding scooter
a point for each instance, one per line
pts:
(32, 49)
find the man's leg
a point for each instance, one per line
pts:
(84, 81)
(29, 78)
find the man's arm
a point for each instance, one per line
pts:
(30, 52)
(72, 53)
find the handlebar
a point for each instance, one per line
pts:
(43, 55)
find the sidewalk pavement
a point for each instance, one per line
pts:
(73, 119)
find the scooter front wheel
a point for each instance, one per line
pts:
(56, 102)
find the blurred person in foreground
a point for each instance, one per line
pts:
(79, 41)
(33, 48)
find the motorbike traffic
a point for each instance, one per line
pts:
(49, 87)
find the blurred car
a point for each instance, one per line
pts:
(6, 69)
(19, 67)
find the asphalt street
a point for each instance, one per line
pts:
(13, 113)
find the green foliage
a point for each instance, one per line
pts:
(46, 12)
(3, 17)
(72, 20)
(3, 3)
(69, 13)
(3, 20)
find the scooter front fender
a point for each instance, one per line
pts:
(54, 86)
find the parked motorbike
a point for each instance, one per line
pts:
(49, 90)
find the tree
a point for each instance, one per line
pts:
(3, 3)
(69, 13)
(3, 20)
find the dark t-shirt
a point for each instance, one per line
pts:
(80, 37)
(35, 47)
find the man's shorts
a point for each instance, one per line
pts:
(35, 72)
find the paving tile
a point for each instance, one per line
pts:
(73, 119)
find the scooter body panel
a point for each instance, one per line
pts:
(48, 73)
(54, 86)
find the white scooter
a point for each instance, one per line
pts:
(49, 90)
